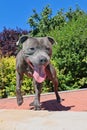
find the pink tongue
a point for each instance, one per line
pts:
(39, 74)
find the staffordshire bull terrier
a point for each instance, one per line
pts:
(34, 61)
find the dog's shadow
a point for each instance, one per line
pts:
(53, 105)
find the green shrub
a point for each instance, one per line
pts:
(70, 54)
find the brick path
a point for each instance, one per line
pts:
(73, 101)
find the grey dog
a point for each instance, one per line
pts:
(34, 61)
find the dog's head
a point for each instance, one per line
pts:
(37, 53)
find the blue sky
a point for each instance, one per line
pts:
(15, 13)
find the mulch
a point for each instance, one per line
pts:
(72, 101)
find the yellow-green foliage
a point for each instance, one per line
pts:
(7, 76)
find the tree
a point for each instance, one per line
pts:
(74, 15)
(40, 23)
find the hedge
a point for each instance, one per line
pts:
(70, 54)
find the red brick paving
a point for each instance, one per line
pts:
(73, 101)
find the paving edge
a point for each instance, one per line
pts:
(50, 93)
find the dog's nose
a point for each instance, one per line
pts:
(43, 60)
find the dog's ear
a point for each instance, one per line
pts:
(51, 40)
(22, 39)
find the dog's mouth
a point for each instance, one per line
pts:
(39, 72)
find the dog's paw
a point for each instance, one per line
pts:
(36, 105)
(19, 100)
(37, 108)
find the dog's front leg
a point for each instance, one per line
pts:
(36, 102)
(18, 88)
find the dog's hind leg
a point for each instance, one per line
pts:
(18, 88)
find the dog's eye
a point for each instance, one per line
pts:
(32, 48)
